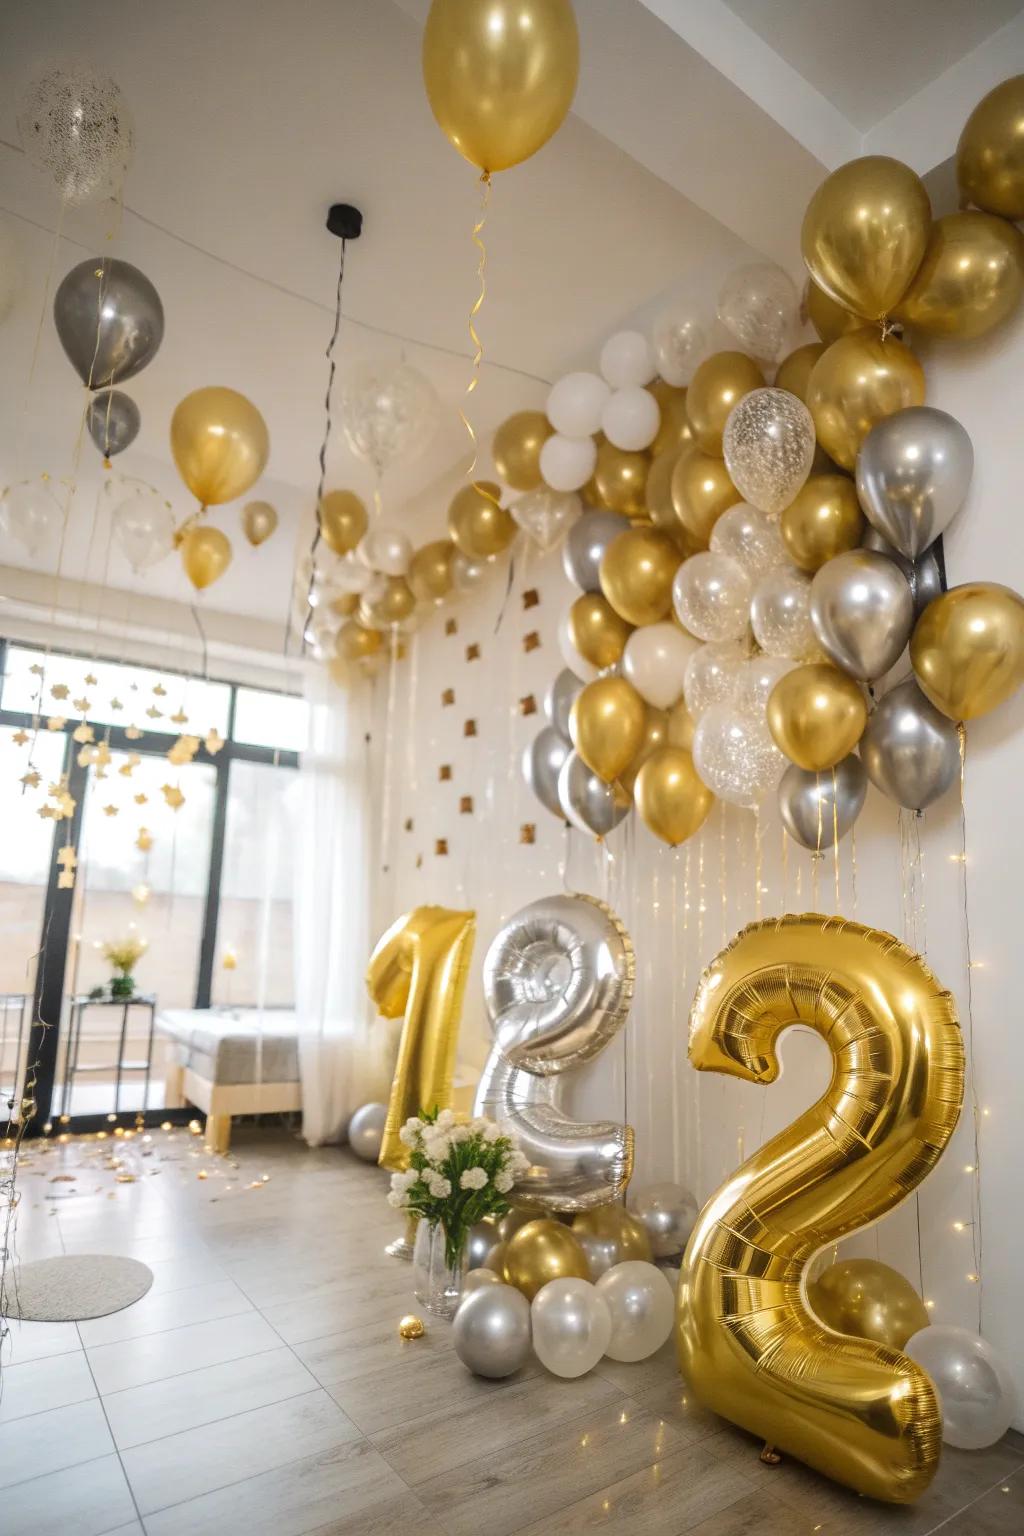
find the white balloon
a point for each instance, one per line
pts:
(468, 574)
(654, 661)
(627, 360)
(735, 755)
(780, 613)
(711, 595)
(575, 404)
(751, 537)
(976, 1392)
(680, 345)
(631, 418)
(30, 513)
(572, 1327)
(567, 463)
(385, 549)
(349, 575)
(571, 656)
(758, 304)
(713, 674)
(143, 524)
(642, 1308)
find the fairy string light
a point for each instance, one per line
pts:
(974, 1168)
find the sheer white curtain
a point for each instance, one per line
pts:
(333, 907)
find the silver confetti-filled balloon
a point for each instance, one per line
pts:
(758, 304)
(712, 675)
(482, 1237)
(585, 545)
(75, 125)
(735, 755)
(543, 760)
(757, 678)
(668, 1211)
(819, 808)
(545, 515)
(910, 750)
(558, 982)
(389, 412)
(559, 700)
(587, 801)
(711, 596)
(924, 575)
(862, 612)
(491, 1331)
(780, 613)
(750, 537)
(109, 319)
(913, 474)
(366, 1131)
(768, 447)
(112, 419)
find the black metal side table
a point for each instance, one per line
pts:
(72, 1045)
(12, 1004)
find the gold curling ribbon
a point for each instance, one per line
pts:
(478, 346)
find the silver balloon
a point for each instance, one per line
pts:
(587, 801)
(559, 701)
(818, 808)
(113, 420)
(558, 983)
(976, 1391)
(109, 319)
(924, 575)
(910, 750)
(366, 1131)
(913, 473)
(543, 761)
(862, 612)
(584, 548)
(476, 1279)
(482, 1237)
(491, 1332)
(668, 1211)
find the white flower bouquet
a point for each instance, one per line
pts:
(457, 1174)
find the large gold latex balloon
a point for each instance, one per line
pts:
(701, 492)
(829, 319)
(391, 605)
(516, 449)
(865, 232)
(681, 726)
(597, 631)
(869, 1300)
(259, 519)
(967, 650)
(610, 1235)
(825, 519)
(816, 715)
(620, 478)
(859, 380)
(205, 554)
(859, 1412)
(430, 571)
(343, 521)
(673, 801)
(658, 496)
(418, 972)
(970, 280)
(477, 523)
(541, 1251)
(990, 154)
(674, 430)
(606, 724)
(794, 372)
(636, 574)
(345, 605)
(500, 75)
(220, 444)
(655, 735)
(354, 642)
(721, 380)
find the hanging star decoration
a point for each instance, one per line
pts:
(56, 722)
(160, 690)
(83, 733)
(59, 691)
(154, 713)
(141, 799)
(180, 718)
(214, 741)
(110, 810)
(172, 796)
(19, 738)
(32, 779)
(90, 681)
(183, 750)
(82, 705)
(144, 841)
(68, 860)
(133, 733)
(65, 802)
(36, 668)
(116, 704)
(127, 768)
(48, 813)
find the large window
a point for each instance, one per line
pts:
(254, 959)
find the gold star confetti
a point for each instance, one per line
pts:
(116, 704)
(90, 681)
(110, 810)
(141, 799)
(214, 741)
(48, 812)
(154, 713)
(83, 705)
(56, 722)
(144, 841)
(173, 796)
(36, 668)
(160, 690)
(133, 733)
(67, 858)
(183, 750)
(32, 779)
(19, 738)
(59, 691)
(126, 769)
(66, 880)
(83, 732)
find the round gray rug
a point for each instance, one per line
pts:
(75, 1286)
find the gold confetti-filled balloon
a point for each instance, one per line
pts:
(411, 1327)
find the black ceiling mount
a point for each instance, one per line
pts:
(345, 221)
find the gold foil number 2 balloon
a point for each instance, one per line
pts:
(862, 1413)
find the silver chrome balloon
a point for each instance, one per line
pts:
(559, 701)
(913, 473)
(543, 761)
(483, 1236)
(910, 750)
(924, 575)
(366, 1131)
(585, 545)
(819, 808)
(669, 1212)
(862, 612)
(110, 326)
(113, 420)
(491, 1332)
(558, 983)
(587, 801)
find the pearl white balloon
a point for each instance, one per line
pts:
(758, 304)
(711, 595)
(735, 755)
(712, 675)
(780, 613)
(680, 344)
(631, 418)
(349, 575)
(567, 463)
(571, 656)
(572, 1327)
(385, 549)
(976, 1391)
(654, 661)
(576, 402)
(627, 360)
(751, 537)
(642, 1308)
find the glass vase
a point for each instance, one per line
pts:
(436, 1281)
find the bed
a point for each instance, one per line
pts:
(231, 1061)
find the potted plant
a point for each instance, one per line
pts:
(123, 955)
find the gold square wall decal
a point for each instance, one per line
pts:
(444, 773)
(466, 805)
(469, 729)
(528, 832)
(531, 598)
(531, 642)
(441, 847)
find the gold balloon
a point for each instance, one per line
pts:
(824, 520)
(411, 1327)
(794, 372)
(636, 574)
(829, 319)
(430, 571)
(606, 724)
(259, 520)
(674, 430)
(859, 1412)
(477, 524)
(613, 1230)
(220, 444)
(967, 649)
(343, 521)
(500, 75)
(721, 380)
(865, 232)
(816, 715)
(620, 479)
(354, 642)
(681, 726)
(597, 631)
(673, 802)
(971, 278)
(345, 605)
(701, 492)
(418, 972)
(394, 603)
(658, 495)
(516, 449)
(868, 1300)
(496, 1259)
(655, 735)
(860, 379)
(541, 1251)
(990, 154)
(205, 554)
